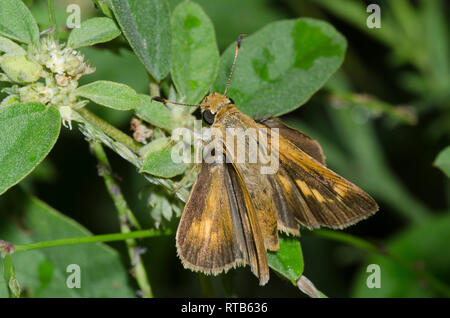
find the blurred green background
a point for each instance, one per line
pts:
(381, 120)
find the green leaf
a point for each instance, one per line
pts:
(8, 46)
(16, 22)
(19, 68)
(9, 274)
(443, 161)
(425, 245)
(195, 56)
(9, 100)
(146, 25)
(281, 66)
(4, 78)
(288, 260)
(154, 113)
(27, 133)
(229, 22)
(93, 31)
(158, 161)
(104, 7)
(43, 272)
(354, 13)
(110, 94)
(163, 206)
(130, 73)
(371, 106)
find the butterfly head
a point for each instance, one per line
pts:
(212, 104)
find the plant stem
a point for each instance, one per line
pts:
(206, 285)
(112, 187)
(125, 215)
(91, 239)
(154, 87)
(347, 239)
(9, 274)
(93, 132)
(372, 248)
(109, 129)
(51, 17)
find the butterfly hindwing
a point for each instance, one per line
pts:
(321, 196)
(299, 139)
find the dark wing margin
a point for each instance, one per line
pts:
(218, 229)
(299, 139)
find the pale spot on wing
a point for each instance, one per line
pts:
(304, 187)
(201, 230)
(318, 196)
(339, 190)
(207, 226)
(285, 183)
(213, 237)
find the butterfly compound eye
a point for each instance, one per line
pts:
(208, 117)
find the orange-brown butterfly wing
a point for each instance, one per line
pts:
(258, 185)
(287, 197)
(218, 229)
(298, 138)
(313, 194)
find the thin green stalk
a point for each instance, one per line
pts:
(112, 187)
(154, 87)
(9, 274)
(91, 239)
(95, 132)
(206, 285)
(347, 239)
(125, 215)
(51, 17)
(109, 129)
(373, 248)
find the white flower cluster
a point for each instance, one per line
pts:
(55, 69)
(64, 62)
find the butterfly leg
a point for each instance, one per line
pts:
(168, 144)
(185, 178)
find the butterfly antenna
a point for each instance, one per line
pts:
(166, 101)
(238, 46)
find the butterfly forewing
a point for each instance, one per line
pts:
(218, 229)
